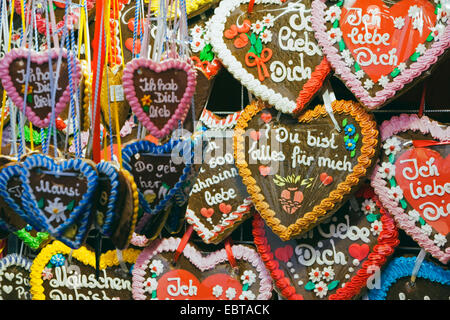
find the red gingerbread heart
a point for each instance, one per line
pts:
(224, 208)
(284, 253)
(359, 252)
(207, 213)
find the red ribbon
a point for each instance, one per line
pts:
(259, 62)
(250, 6)
(428, 143)
(230, 255)
(183, 243)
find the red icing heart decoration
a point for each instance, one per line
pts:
(198, 277)
(159, 93)
(207, 213)
(284, 253)
(13, 73)
(231, 32)
(412, 180)
(325, 178)
(359, 252)
(224, 208)
(377, 48)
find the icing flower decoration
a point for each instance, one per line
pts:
(156, 267)
(401, 66)
(333, 14)
(150, 196)
(268, 20)
(196, 31)
(368, 84)
(414, 11)
(266, 36)
(197, 45)
(315, 275)
(383, 81)
(257, 26)
(321, 289)
(426, 229)
(247, 295)
(58, 260)
(376, 227)
(413, 215)
(421, 48)
(359, 74)
(349, 130)
(334, 35)
(395, 193)
(387, 170)
(217, 291)
(150, 285)
(391, 146)
(56, 209)
(146, 100)
(328, 273)
(440, 240)
(368, 206)
(350, 144)
(399, 22)
(437, 30)
(230, 293)
(248, 277)
(47, 274)
(30, 89)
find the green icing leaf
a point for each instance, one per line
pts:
(372, 217)
(258, 46)
(357, 67)
(414, 56)
(252, 50)
(310, 286)
(332, 285)
(336, 23)
(344, 122)
(356, 137)
(395, 72)
(353, 153)
(391, 158)
(70, 205)
(430, 37)
(29, 98)
(253, 39)
(341, 45)
(206, 54)
(345, 138)
(393, 182)
(422, 221)
(403, 203)
(41, 203)
(340, 3)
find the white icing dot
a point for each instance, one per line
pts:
(289, 264)
(351, 269)
(347, 276)
(296, 276)
(292, 270)
(300, 283)
(355, 262)
(343, 285)
(320, 244)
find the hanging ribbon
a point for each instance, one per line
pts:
(419, 260)
(422, 100)
(183, 243)
(428, 143)
(230, 255)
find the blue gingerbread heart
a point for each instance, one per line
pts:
(59, 196)
(159, 172)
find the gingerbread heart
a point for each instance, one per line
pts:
(378, 49)
(159, 172)
(277, 58)
(334, 260)
(159, 93)
(15, 277)
(412, 179)
(282, 169)
(118, 205)
(54, 278)
(12, 214)
(432, 282)
(198, 277)
(14, 74)
(218, 201)
(58, 195)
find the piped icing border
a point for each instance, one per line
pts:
(183, 107)
(39, 58)
(85, 256)
(80, 214)
(201, 262)
(109, 172)
(146, 146)
(403, 267)
(387, 242)
(14, 259)
(260, 90)
(209, 235)
(211, 121)
(423, 62)
(389, 128)
(135, 191)
(369, 147)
